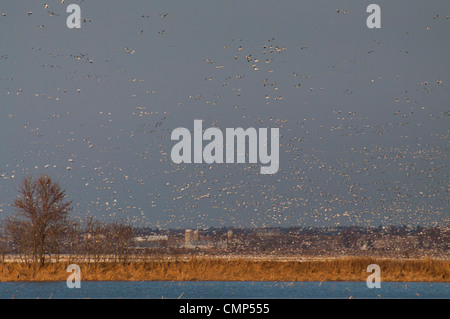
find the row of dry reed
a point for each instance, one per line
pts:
(215, 269)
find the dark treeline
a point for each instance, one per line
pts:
(96, 241)
(91, 241)
(313, 230)
(42, 229)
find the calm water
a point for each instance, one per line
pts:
(227, 289)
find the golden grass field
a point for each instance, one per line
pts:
(216, 269)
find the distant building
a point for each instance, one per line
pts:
(150, 241)
(187, 238)
(195, 235)
(192, 240)
(268, 232)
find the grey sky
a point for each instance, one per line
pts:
(364, 137)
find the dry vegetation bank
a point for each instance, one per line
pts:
(214, 269)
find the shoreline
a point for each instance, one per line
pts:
(236, 269)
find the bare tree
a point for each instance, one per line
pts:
(120, 236)
(17, 231)
(94, 243)
(43, 211)
(73, 240)
(4, 240)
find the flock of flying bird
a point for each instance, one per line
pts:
(344, 170)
